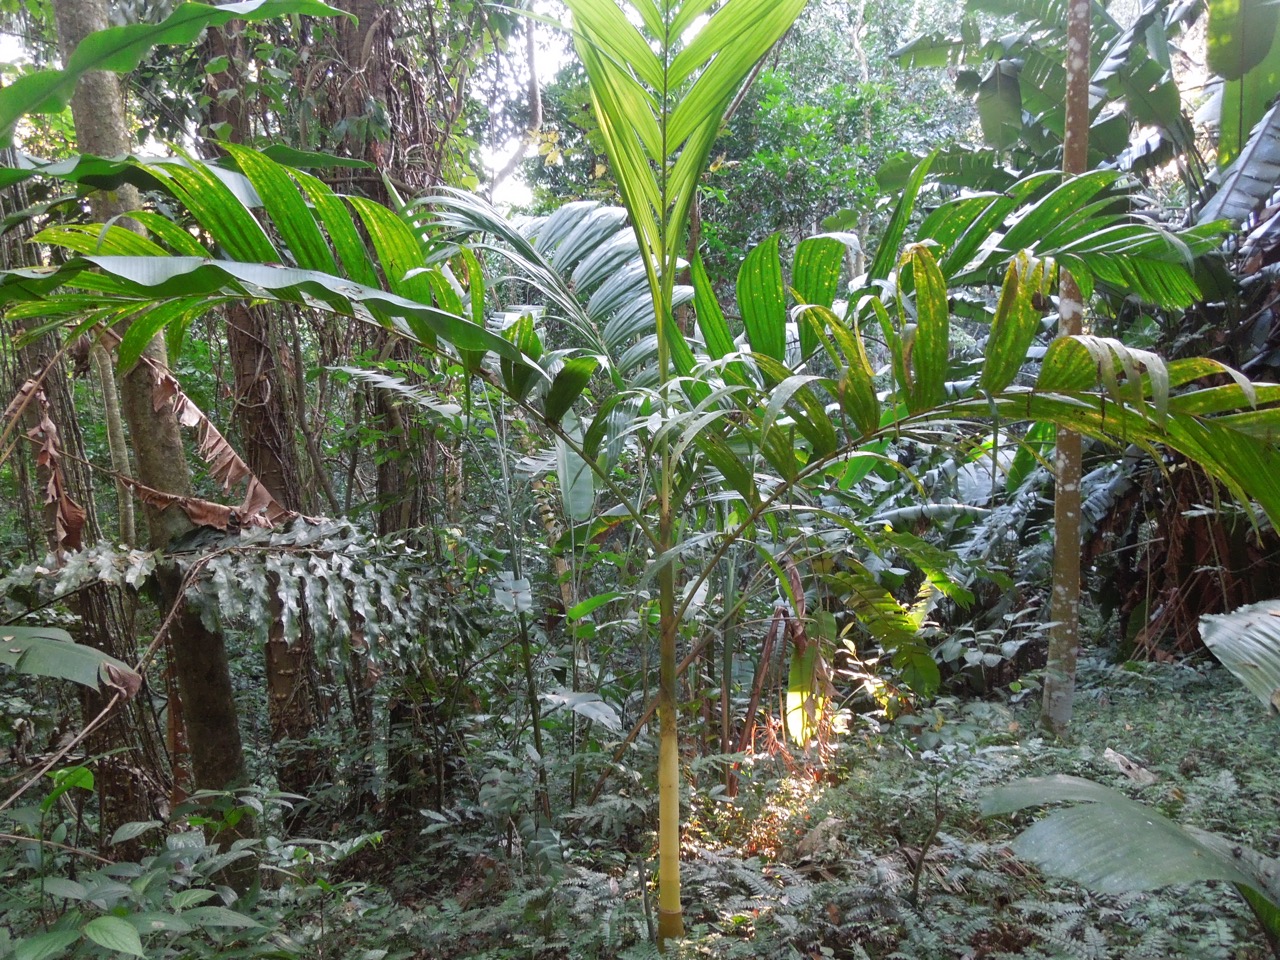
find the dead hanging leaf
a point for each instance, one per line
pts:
(126, 682)
(22, 399)
(204, 513)
(163, 389)
(226, 467)
(69, 517)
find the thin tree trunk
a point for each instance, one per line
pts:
(128, 765)
(1064, 602)
(101, 361)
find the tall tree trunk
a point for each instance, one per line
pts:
(1064, 603)
(130, 775)
(265, 410)
(200, 656)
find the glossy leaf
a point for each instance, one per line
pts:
(931, 351)
(116, 934)
(1241, 34)
(1250, 180)
(1016, 322)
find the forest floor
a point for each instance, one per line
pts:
(810, 867)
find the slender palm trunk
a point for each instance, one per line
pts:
(670, 912)
(1064, 606)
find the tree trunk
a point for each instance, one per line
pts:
(101, 362)
(264, 412)
(200, 659)
(1064, 603)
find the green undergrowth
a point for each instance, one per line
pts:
(830, 866)
(881, 854)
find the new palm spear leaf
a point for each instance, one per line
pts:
(660, 90)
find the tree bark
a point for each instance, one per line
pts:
(1064, 602)
(200, 658)
(101, 362)
(264, 412)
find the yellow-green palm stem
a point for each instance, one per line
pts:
(670, 913)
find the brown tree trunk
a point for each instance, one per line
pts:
(200, 657)
(265, 412)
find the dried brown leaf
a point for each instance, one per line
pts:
(126, 682)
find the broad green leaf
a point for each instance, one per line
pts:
(931, 351)
(63, 887)
(1016, 322)
(204, 191)
(762, 300)
(931, 50)
(115, 934)
(92, 238)
(50, 652)
(568, 386)
(217, 917)
(1067, 367)
(887, 252)
(169, 233)
(310, 160)
(135, 828)
(1244, 103)
(1035, 446)
(288, 211)
(399, 252)
(805, 702)
(144, 326)
(71, 778)
(121, 49)
(979, 232)
(734, 468)
(178, 276)
(1000, 105)
(1241, 34)
(44, 946)
(333, 214)
(815, 277)
(1248, 182)
(1115, 845)
(1047, 214)
(1247, 641)
(591, 604)
(517, 377)
(577, 480)
(155, 921)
